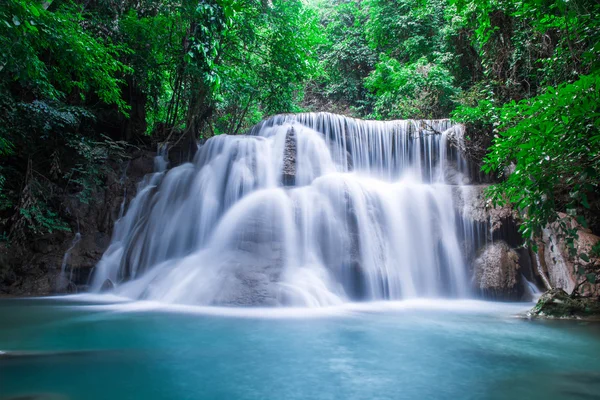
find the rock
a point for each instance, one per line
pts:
(556, 303)
(473, 204)
(33, 268)
(289, 158)
(559, 264)
(62, 284)
(183, 150)
(452, 175)
(107, 285)
(496, 273)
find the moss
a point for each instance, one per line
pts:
(556, 303)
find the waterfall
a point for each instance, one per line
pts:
(63, 279)
(309, 209)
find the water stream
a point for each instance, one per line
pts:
(351, 228)
(305, 210)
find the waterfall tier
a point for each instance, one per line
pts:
(305, 210)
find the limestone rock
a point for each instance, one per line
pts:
(496, 273)
(289, 158)
(473, 204)
(559, 264)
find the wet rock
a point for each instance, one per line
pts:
(289, 158)
(33, 268)
(556, 303)
(453, 176)
(107, 285)
(473, 204)
(496, 273)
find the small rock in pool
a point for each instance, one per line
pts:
(107, 285)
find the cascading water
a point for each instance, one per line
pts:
(304, 210)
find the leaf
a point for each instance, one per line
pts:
(584, 201)
(534, 248)
(16, 20)
(591, 278)
(34, 10)
(584, 257)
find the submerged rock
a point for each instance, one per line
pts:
(556, 303)
(496, 273)
(107, 286)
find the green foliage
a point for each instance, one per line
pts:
(346, 57)
(389, 59)
(79, 79)
(408, 30)
(36, 215)
(267, 57)
(94, 158)
(50, 55)
(539, 99)
(414, 90)
(554, 142)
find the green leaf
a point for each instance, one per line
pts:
(584, 257)
(584, 201)
(16, 20)
(34, 10)
(591, 278)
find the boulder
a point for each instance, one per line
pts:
(107, 286)
(556, 303)
(496, 273)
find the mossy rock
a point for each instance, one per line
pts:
(556, 303)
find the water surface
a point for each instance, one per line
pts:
(80, 348)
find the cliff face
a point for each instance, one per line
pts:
(34, 267)
(551, 267)
(554, 257)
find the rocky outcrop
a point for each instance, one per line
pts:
(561, 266)
(496, 273)
(556, 303)
(289, 158)
(474, 205)
(34, 268)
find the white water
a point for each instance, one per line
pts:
(369, 215)
(65, 260)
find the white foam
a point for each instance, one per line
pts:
(107, 302)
